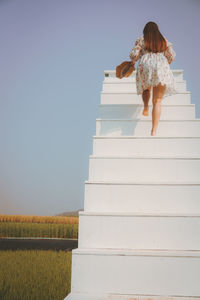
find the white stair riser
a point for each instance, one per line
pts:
(135, 275)
(127, 198)
(133, 98)
(139, 232)
(134, 111)
(126, 87)
(143, 127)
(144, 169)
(146, 146)
(114, 296)
(110, 75)
(132, 79)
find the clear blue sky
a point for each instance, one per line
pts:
(52, 60)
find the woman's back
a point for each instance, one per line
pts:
(139, 50)
(153, 67)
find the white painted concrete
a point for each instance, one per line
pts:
(144, 146)
(139, 233)
(141, 197)
(129, 231)
(149, 168)
(110, 74)
(138, 127)
(114, 296)
(122, 86)
(129, 84)
(135, 272)
(134, 111)
(133, 98)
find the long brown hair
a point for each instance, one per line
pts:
(153, 39)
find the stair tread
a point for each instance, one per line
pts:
(135, 92)
(143, 182)
(139, 104)
(136, 156)
(143, 137)
(137, 214)
(135, 252)
(150, 120)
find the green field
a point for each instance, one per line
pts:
(35, 274)
(52, 230)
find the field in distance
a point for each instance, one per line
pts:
(59, 226)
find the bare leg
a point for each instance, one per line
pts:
(156, 112)
(158, 92)
(145, 97)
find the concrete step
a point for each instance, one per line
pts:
(143, 145)
(111, 74)
(146, 168)
(133, 98)
(131, 79)
(114, 296)
(120, 86)
(138, 127)
(109, 274)
(139, 231)
(134, 111)
(142, 197)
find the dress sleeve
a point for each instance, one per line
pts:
(169, 52)
(135, 53)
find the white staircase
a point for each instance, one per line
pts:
(139, 233)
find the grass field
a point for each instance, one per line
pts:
(38, 226)
(19, 229)
(35, 274)
(39, 219)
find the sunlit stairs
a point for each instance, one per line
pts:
(139, 233)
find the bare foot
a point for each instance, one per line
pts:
(153, 132)
(145, 111)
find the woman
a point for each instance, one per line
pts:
(154, 53)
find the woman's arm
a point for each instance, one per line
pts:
(169, 53)
(135, 53)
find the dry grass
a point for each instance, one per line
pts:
(35, 274)
(39, 219)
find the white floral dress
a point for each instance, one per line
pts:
(153, 67)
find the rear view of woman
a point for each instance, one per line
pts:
(154, 54)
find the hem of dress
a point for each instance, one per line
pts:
(165, 94)
(169, 91)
